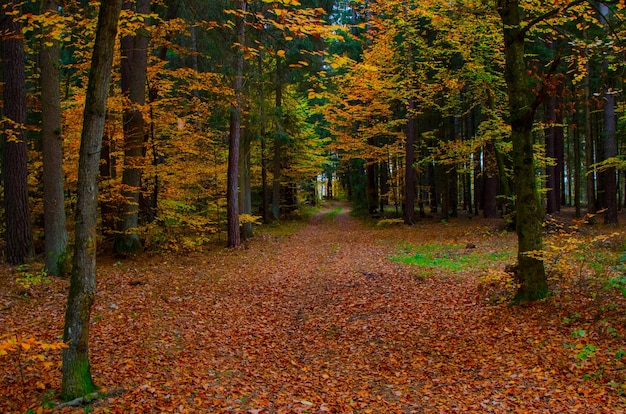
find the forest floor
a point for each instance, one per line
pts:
(322, 320)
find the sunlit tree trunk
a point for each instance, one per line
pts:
(531, 275)
(134, 73)
(232, 193)
(76, 369)
(55, 230)
(19, 238)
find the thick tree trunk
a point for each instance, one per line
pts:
(19, 238)
(77, 380)
(232, 193)
(134, 74)
(531, 275)
(55, 230)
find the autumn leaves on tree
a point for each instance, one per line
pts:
(198, 119)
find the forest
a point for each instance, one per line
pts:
(256, 195)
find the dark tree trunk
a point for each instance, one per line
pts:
(610, 151)
(55, 230)
(19, 238)
(531, 275)
(409, 176)
(232, 194)
(77, 379)
(245, 190)
(277, 144)
(134, 74)
(589, 146)
(577, 172)
(372, 190)
(262, 133)
(553, 204)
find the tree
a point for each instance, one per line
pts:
(232, 195)
(55, 230)
(77, 379)
(134, 73)
(19, 238)
(531, 275)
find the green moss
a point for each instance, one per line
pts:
(77, 380)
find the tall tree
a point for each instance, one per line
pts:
(76, 369)
(609, 175)
(55, 230)
(232, 194)
(531, 274)
(134, 48)
(19, 238)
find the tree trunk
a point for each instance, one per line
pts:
(245, 190)
(77, 379)
(277, 144)
(262, 130)
(610, 151)
(609, 142)
(552, 204)
(19, 238)
(409, 171)
(232, 193)
(490, 181)
(372, 189)
(531, 275)
(589, 152)
(134, 74)
(55, 230)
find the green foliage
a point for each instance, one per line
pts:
(29, 278)
(619, 282)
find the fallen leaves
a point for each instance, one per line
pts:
(319, 321)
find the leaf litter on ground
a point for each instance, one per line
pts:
(322, 320)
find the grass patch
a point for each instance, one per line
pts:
(449, 257)
(333, 213)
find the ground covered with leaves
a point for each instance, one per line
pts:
(338, 316)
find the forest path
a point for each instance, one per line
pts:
(318, 321)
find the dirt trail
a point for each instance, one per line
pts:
(319, 321)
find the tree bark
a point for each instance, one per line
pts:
(133, 79)
(55, 230)
(245, 190)
(76, 369)
(277, 144)
(232, 194)
(531, 275)
(19, 238)
(409, 171)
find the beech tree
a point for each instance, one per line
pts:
(77, 380)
